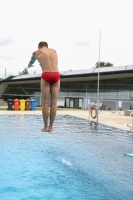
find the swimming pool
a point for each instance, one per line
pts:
(78, 161)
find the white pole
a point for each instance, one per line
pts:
(98, 77)
(5, 72)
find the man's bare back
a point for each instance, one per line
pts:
(50, 82)
(48, 59)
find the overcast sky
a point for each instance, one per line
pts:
(71, 27)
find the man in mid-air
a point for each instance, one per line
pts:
(50, 82)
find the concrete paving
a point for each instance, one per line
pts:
(112, 118)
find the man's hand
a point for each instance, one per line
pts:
(33, 59)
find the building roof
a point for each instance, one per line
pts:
(77, 73)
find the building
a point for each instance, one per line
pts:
(78, 87)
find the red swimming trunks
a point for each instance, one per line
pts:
(51, 77)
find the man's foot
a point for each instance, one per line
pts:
(45, 129)
(50, 129)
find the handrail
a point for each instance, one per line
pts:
(131, 127)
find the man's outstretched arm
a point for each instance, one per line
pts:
(33, 59)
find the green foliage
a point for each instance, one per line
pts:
(9, 76)
(25, 71)
(104, 64)
(6, 77)
(108, 64)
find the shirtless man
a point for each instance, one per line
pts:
(50, 82)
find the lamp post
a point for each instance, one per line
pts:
(5, 71)
(98, 76)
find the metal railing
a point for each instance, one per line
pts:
(131, 127)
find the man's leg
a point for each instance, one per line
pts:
(45, 90)
(54, 97)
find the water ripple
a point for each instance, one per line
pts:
(79, 160)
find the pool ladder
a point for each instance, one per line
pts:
(131, 127)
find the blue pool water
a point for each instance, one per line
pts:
(78, 161)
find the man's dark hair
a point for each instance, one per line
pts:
(42, 44)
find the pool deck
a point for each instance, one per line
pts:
(112, 118)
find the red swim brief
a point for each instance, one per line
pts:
(51, 77)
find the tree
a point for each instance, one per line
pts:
(6, 77)
(108, 64)
(25, 71)
(104, 64)
(9, 76)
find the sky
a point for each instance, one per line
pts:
(71, 27)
